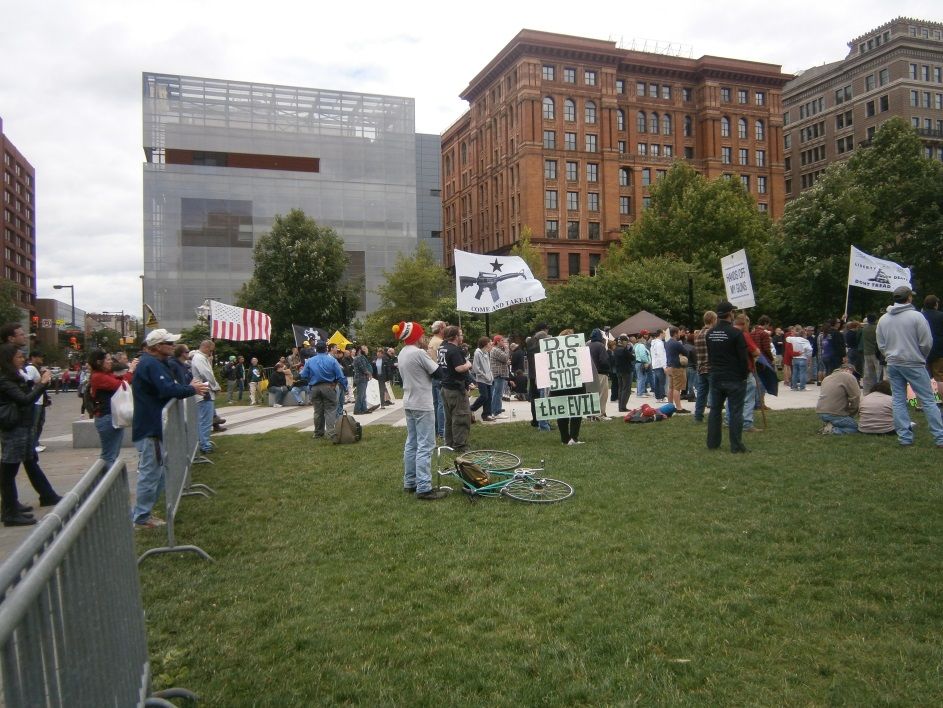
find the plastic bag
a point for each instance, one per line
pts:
(373, 393)
(122, 406)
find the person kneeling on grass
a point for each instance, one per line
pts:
(839, 401)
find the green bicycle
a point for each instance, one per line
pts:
(492, 473)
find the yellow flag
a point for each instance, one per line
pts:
(151, 317)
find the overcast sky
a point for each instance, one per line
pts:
(70, 82)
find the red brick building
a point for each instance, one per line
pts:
(565, 135)
(19, 222)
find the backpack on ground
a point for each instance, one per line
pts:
(348, 430)
(472, 473)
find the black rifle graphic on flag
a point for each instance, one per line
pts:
(487, 281)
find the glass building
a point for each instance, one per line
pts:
(224, 157)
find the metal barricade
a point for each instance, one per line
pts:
(178, 457)
(192, 415)
(71, 620)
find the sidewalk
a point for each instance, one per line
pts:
(65, 466)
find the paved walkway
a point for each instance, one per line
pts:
(65, 465)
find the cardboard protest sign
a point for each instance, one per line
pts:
(563, 363)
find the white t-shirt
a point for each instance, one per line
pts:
(32, 374)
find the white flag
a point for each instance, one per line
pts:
(489, 283)
(872, 273)
(736, 272)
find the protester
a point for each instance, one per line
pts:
(800, 354)
(876, 413)
(839, 401)
(599, 356)
(702, 394)
(675, 368)
(870, 355)
(623, 363)
(34, 374)
(742, 322)
(483, 377)
(153, 386)
(518, 359)
(833, 346)
(232, 376)
(254, 377)
(763, 339)
(727, 351)
(102, 386)
(533, 347)
(326, 382)
(363, 372)
(278, 384)
(659, 362)
(180, 364)
(500, 357)
(17, 445)
(903, 334)
(570, 427)
(383, 372)
(452, 369)
(437, 328)
(643, 364)
(201, 365)
(690, 351)
(931, 311)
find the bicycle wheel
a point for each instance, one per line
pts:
(492, 460)
(538, 490)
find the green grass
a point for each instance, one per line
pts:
(808, 572)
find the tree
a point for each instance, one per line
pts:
(9, 310)
(531, 255)
(299, 278)
(106, 338)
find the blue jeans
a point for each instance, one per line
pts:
(150, 478)
(439, 408)
(749, 402)
(919, 381)
(339, 411)
(497, 394)
(543, 424)
(296, 394)
(703, 391)
(733, 391)
(417, 454)
(110, 437)
(659, 383)
(484, 400)
(841, 424)
(360, 395)
(641, 378)
(204, 417)
(799, 366)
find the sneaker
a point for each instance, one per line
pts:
(432, 495)
(499, 416)
(19, 520)
(152, 522)
(40, 448)
(276, 405)
(826, 429)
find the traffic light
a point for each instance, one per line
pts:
(74, 343)
(34, 324)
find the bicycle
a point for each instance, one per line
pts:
(504, 477)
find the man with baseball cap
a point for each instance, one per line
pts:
(904, 337)
(727, 353)
(153, 386)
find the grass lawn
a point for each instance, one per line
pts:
(807, 572)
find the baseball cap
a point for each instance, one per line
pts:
(644, 333)
(160, 336)
(724, 308)
(902, 293)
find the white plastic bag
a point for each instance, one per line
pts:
(373, 393)
(122, 406)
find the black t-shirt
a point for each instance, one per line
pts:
(727, 352)
(451, 356)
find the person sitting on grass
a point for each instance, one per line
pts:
(838, 401)
(876, 414)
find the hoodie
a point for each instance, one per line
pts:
(598, 353)
(904, 336)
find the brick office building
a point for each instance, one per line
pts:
(564, 135)
(19, 222)
(830, 110)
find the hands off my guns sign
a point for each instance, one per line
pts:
(563, 364)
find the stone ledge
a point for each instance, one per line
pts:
(84, 435)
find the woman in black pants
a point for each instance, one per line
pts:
(17, 445)
(570, 427)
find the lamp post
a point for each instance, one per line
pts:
(72, 290)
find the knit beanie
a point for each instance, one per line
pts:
(408, 332)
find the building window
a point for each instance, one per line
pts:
(688, 127)
(589, 78)
(913, 72)
(667, 150)
(590, 113)
(569, 110)
(869, 82)
(725, 127)
(725, 95)
(883, 77)
(215, 222)
(666, 124)
(869, 107)
(592, 172)
(550, 199)
(625, 176)
(646, 176)
(569, 141)
(573, 201)
(641, 122)
(760, 98)
(745, 181)
(550, 140)
(553, 266)
(655, 150)
(592, 201)
(787, 141)
(552, 228)
(760, 130)
(646, 202)
(640, 89)
(573, 230)
(643, 148)
(594, 231)
(620, 120)
(625, 205)
(620, 86)
(725, 155)
(763, 208)
(548, 73)
(743, 156)
(548, 108)
(843, 94)
(884, 104)
(666, 93)
(653, 90)
(761, 185)
(550, 169)
(743, 96)
(572, 171)
(590, 143)
(686, 95)
(574, 263)
(593, 263)
(761, 158)
(569, 75)
(622, 147)
(742, 128)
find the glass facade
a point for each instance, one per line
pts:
(350, 161)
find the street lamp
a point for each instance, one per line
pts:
(72, 289)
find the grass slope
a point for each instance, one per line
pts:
(807, 572)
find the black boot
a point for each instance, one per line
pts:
(18, 520)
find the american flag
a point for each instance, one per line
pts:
(238, 324)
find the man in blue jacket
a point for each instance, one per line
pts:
(326, 382)
(153, 386)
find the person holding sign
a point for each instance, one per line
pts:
(570, 427)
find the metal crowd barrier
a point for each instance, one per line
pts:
(180, 447)
(71, 620)
(193, 434)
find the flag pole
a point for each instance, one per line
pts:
(851, 253)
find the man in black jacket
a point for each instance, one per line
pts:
(931, 310)
(727, 353)
(623, 362)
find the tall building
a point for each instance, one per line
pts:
(224, 157)
(831, 110)
(19, 222)
(564, 136)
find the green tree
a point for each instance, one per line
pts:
(9, 310)
(105, 338)
(299, 278)
(531, 255)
